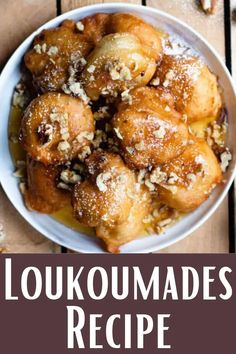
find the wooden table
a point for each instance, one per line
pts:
(21, 17)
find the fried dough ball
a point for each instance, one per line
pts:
(119, 62)
(41, 193)
(95, 27)
(54, 50)
(147, 34)
(187, 181)
(109, 198)
(130, 229)
(149, 129)
(56, 128)
(194, 87)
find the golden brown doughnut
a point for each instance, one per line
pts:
(119, 62)
(54, 50)
(149, 129)
(55, 128)
(41, 193)
(193, 86)
(109, 198)
(187, 181)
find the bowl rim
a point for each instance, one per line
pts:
(122, 7)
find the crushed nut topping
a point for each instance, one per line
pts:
(91, 69)
(191, 177)
(150, 185)
(155, 81)
(160, 133)
(22, 187)
(118, 134)
(140, 146)
(2, 233)
(209, 6)
(173, 178)
(102, 113)
(64, 186)
(20, 169)
(225, 158)
(80, 26)
(101, 179)
(86, 151)
(19, 97)
(158, 176)
(68, 176)
(39, 49)
(72, 86)
(215, 134)
(46, 130)
(118, 71)
(130, 150)
(52, 50)
(85, 135)
(126, 97)
(63, 146)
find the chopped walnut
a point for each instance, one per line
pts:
(158, 176)
(141, 176)
(91, 69)
(225, 158)
(100, 137)
(101, 179)
(2, 233)
(191, 177)
(52, 50)
(150, 185)
(130, 150)
(140, 146)
(85, 135)
(102, 113)
(118, 71)
(80, 26)
(19, 97)
(173, 178)
(160, 132)
(209, 6)
(155, 82)
(22, 187)
(68, 176)
(118, 134)
(126, 97)
(86, 151)
(63, 146)
(64, 186)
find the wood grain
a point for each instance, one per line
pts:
(211, 27)
(17, 22)
(233, 29)
(19, 19)
(67, 5)
(233, 48)
(212, 237)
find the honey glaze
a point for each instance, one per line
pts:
(63, 216)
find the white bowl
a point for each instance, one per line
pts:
(66, 236)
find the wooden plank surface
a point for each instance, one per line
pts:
(19, 19)
(213, 236)
(233, 33)
(17, 22)
(233, 49)
(67, 5)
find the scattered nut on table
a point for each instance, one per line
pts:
(209, 6)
